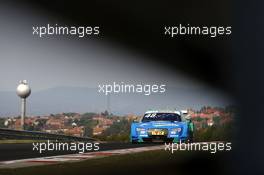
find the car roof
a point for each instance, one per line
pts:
(163, 111)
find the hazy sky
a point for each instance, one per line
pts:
(58, 61)
(61, 62)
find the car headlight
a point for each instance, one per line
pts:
(141, 131)
(175, 130)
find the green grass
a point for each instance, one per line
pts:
(20, 141)
(151, 162)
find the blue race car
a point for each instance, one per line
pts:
(164, 126)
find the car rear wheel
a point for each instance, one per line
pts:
(134, 142)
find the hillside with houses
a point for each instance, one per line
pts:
(107, 126)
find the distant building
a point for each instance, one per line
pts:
(53, 123)
(75, 131)
(98, 130)
(28, 122)
(210, 122)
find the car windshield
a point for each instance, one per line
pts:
(161, 117)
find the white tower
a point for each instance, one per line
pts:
(23, 91)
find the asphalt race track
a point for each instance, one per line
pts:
(23, 151)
